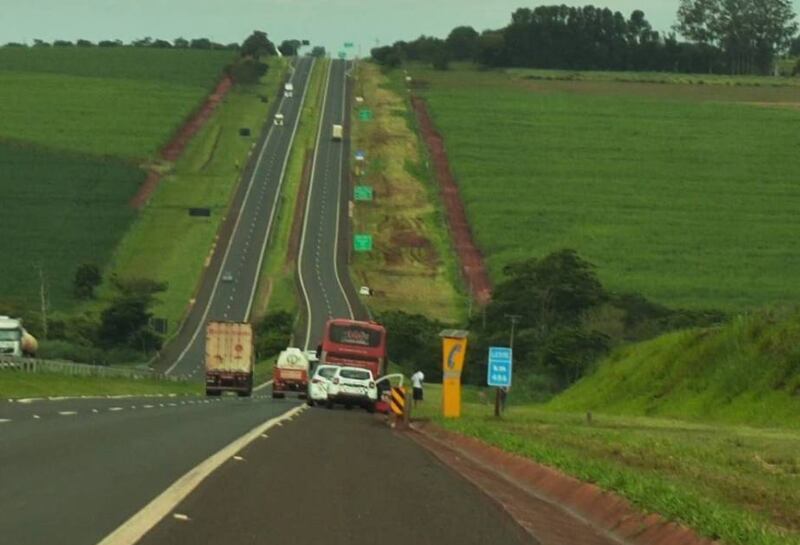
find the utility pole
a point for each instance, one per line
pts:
(499, 397)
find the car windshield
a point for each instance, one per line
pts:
(326, 372)
(9, 335)
(356, 374)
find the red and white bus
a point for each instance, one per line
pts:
(356, 344)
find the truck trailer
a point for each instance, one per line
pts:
(229, 358)
(14, 340)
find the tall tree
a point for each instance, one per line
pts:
(289, 48)
(462, 43)
(257, 44)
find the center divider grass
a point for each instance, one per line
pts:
(165, 243)
(737, 484)
(276, 286)
(19, 385)
(412, 264)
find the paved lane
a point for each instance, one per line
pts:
(242, 259)
(337, 477)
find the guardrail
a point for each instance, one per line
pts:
(27, 365)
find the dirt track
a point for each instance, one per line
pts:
(174, 148)
(470, 258)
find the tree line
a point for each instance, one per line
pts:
(566, 321)
(721, 36)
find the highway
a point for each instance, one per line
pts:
(322, 266)
(191, 470)
(252, 218)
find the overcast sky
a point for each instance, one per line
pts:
(325, 22)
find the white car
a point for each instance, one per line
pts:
(227, 276)
(353, 386)
(279, 120)
(319, 383)
(364, 290)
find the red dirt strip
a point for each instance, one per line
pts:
(553, 507)
(470, 258)
(175, 147)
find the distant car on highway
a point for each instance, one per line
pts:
(227, 276)
(312, 356)
(364, 290)
(318, 385)
(338, 132)
(279, 120)
(352, 386)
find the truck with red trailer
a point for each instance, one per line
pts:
(290, 373)
(229, 358)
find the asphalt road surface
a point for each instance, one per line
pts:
(341, 478)
(72, 471)
(322, 282)
(242, 258)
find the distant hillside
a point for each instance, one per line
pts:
(746, 372)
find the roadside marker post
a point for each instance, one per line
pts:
(454, 349)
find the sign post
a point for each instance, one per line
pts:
(498, 372)
(454, 348)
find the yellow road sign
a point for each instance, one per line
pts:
(454, 349)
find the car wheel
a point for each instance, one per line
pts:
(348, 406)
(370, 407)
(310, 402)
(329, 404)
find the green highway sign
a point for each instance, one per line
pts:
(365, 114)
(362, 243)
(348, 44)
(342, 54)
(362, 193)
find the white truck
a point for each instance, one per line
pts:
(229, 358)
(338, 132)
(14, 340)
(288, 90)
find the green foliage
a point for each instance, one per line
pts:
(747, 372)
(126, 321)
(273, 334)
(247, 71)
(414, 343)
(650, 183)
(257, 44)
(87, 278)
(68, 210)
(463, 43)
(289, 48)
(318, 51)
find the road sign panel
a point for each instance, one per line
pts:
(500, 364)
(362, 193)
(348, 44)
(342, 54)
(362, 243)
(397, 401)
(360, 155)
(365, 114)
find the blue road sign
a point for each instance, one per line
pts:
(499, 370)
(360, 155)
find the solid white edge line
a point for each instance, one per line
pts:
(230, 244)
(142, 522)
(278, 192)
(308, 205)
(339, 198)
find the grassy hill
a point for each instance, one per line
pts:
(746, 372)
(683, 192)
(76, 124)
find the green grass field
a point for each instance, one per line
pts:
(21, 385)
(745, 372)
(60, 210)
(735, 484)
(684, 193)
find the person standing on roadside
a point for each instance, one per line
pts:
(416, 385)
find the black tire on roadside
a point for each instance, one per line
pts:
(310, 402)
(370, 407)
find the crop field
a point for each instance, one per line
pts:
(737, 484)
(59, 211)
(76, 125)
(685, 193)
(124, 103)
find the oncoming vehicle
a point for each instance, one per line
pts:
(279, 120)
(227, 276)
(353, 386)
(338, 132)
(290, 373)
(318, 385)
(354, 343)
